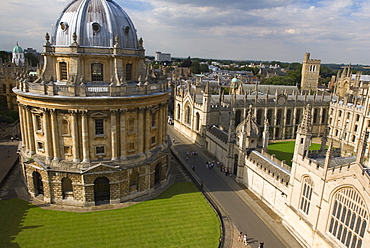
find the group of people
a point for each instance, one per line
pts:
(211, 164)
(243, 238)
(193, 153)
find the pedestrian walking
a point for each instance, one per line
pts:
(240, 238)
(201, 185)
(12, 138)
(261, 244)
(193, 167)
(245, 239)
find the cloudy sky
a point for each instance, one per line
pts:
(335, 31)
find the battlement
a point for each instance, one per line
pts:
(275, 170)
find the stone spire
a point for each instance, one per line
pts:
(265, 135)
(362, 148)
(304, 133)
(305, 127)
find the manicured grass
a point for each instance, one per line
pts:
(180, 217)
(284, 150)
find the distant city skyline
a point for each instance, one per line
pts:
(335, 31)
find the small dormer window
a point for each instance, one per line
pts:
(127, 30)
(96, 27)
(64, 26)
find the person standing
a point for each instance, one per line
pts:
(240, 238)
(261, 244)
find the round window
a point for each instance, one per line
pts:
(96, 27)
(64, 26)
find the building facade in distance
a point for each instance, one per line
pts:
(94, 122)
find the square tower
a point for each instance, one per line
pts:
(310, 73)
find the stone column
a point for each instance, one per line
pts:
(30, 130)
(75, 155)
(85, 138)
(54, 133)
(123, 133)
(163, 122)
(160, 124)
(113, 129)
(140, 131)
(147, 125)
(294, 122)
(274, 122)
(22, 117)
(47, 135)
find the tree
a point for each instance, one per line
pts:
(195, 67)
(5, 56)
(30, 57)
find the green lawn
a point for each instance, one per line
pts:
(180, 217)
(284, 150)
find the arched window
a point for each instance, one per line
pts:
(38, 123)
(349, 217)
(306, 195)
(187, 116)
(323, 120)
(66, 187)
(269, 117)
(315, 116)
(298, 116)
(101, 191)
(96, 72)
(288, 116)
(279, 117)
(197, 121)
(154, 117)
(65, 127)
(178, 111)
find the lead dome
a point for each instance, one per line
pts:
(96, 23)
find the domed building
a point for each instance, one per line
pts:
(18, 55)
(94, 122)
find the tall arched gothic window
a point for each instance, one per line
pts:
(306, 195)
(349, 217)
(187, 116)
(178, 112)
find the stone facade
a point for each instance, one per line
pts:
(94, 122)
(323, 199)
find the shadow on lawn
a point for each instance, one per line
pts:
(287, 156)
(12, 214)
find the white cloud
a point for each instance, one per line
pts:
(332, 30)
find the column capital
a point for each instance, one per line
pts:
(83, 112)
(123, 110)
(53, 111)
(73, 111)
(113, 111)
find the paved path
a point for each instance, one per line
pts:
(248, 214)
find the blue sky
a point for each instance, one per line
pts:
(335, 31)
